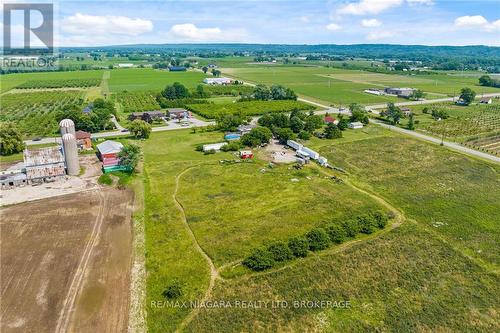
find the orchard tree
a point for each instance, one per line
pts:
(261, 92)
(417, 94)
(467, 95)
(411, 122)
(11, 141)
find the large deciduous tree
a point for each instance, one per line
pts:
(467, 95)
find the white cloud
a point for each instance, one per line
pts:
(305, 19)
(366, 7)
(420, 2)
(333, 27)
(90, 25)
(477, 22)
(377, 35)
(190, 32)
(371, 23)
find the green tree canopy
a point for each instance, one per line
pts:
(140, 129)
(129, 156)
(467, 95)
(11, 140)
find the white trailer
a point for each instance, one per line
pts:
(314, 155)
(294, 144)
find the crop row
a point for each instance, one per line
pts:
(251, 108)
(70, 83)
(137, 101)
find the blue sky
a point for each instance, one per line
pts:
(428, 22)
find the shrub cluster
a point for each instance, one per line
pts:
(315, 240)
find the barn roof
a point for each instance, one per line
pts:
(82, 135)
(43, 156)
(109, 147)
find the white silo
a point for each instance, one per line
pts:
(67, 126)
(71, 154)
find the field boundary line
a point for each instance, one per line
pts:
(76, 282)
(214, 273)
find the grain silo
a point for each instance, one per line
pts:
(71, 154)
(67, 126)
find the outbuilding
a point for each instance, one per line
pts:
(178, 113)
(177, 68)
(218, 80)
(485, 100)
(83, 140)
(356, 125)
(246, 154)
(214, 146)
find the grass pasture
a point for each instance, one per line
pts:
(233, 209)
(131, 79)
(404, 281)
(454, 196)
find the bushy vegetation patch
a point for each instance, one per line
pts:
(316, 239)
(105, 179)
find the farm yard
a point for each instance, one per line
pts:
(251, 108)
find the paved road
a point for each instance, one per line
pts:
(452, 145)
(172, 125)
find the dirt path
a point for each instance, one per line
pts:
(76, 283)
(214, 273)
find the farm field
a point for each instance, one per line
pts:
(136, 101)
(150, 79)
(41, 253)
(342, 87)
(454, 197)
(35, 112)
(233, 209)
(251, 108)
(468, 125)
(448, 248)
(405, 280)
(10, 81)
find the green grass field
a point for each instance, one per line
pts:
(455, 197)
(150, 79)
(341, 86)
(435, 271)
(236, 208)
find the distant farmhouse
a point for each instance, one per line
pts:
(178, 113)
(125, 65)
(148, 116)
(218, 81)
(400, 92)
(485, 100)
(177, 68)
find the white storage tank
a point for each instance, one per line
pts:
(67, 126)
(71, 154)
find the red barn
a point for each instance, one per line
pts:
(330, 120)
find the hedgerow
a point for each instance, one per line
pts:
(315, 240)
